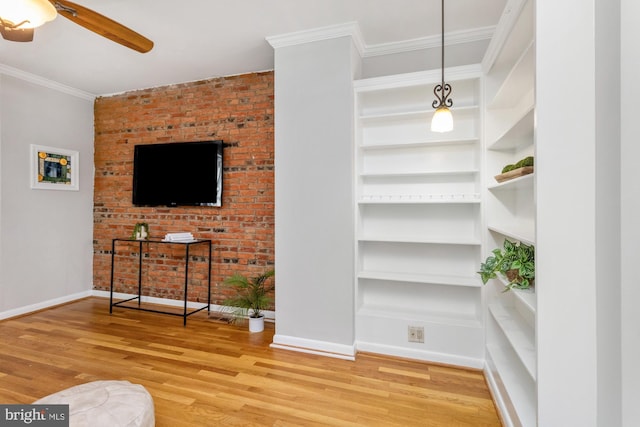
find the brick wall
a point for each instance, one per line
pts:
(238, 110)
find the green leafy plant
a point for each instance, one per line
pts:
(140, 231)
(251, 294)
(527, 161)
(515, 261)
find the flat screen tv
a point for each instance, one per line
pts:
(178, 174)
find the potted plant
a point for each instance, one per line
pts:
(251, 297)
(515, 261)
(521, 168)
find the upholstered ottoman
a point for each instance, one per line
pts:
(106, 403)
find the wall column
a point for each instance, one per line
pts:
(314, 235)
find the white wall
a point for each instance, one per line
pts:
(630, 184)
(608, 265)
(566, 221)
(314, 236)
(578, 205)
(45, 235)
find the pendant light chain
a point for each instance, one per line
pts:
(442, 45)
(444, 88)
(442, 120)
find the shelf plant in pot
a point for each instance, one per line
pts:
(251, 298)
(515, 261)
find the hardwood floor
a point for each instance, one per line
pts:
(210, 373)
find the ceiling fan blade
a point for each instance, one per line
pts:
(102, 25)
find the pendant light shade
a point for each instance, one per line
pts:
(442, 120)
(26, 13)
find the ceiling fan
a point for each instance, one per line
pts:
(18, 18)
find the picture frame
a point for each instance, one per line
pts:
(54, 168)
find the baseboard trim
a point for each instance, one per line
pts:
(427, 356)
(20, 311)
(321, 348)
(268, 315)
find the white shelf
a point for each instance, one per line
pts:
(517, 135)
(418, 217)
(515, 231)
(425, 174)
(432, 241)
(516, 184)
(445, 318)
(416, 199)
(527, 298)
(418, 143)
(521, 394)
(449, 280)
(517, 82)
(520, 335)
(510, 209)
(414, 113)
(523, 301)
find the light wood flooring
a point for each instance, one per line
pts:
(210, 373)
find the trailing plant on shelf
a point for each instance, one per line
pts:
(252, 295)
(515, 261)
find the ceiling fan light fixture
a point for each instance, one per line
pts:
(25, 14)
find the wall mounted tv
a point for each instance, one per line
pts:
(178, 174)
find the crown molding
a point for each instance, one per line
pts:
(453, 38)
(41, 81)
(509, 17)
(351, 29)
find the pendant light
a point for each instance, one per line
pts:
(442, 120)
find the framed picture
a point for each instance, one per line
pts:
(54, 168)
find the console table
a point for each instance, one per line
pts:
(187, 245)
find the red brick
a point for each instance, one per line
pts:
(237, 109)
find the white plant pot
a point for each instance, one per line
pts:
(256, 324)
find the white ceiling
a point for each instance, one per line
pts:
(200, 39)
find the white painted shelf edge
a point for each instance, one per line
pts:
(520, 183)
(515, 232)
(420, 174)
(430, 240)
(433, 279)
(419, 143)
(520, 335)
(521, 396)
(527, 297)
(508, 139)
(416, 199)
(444, 318)
(410, 113)
(508, 94)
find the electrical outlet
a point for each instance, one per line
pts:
(416, 334)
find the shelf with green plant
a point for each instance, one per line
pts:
(515, 261)
(521, 168)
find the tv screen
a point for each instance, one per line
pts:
(178, 174)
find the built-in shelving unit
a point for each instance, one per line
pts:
(418, 219)
(509, 206)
